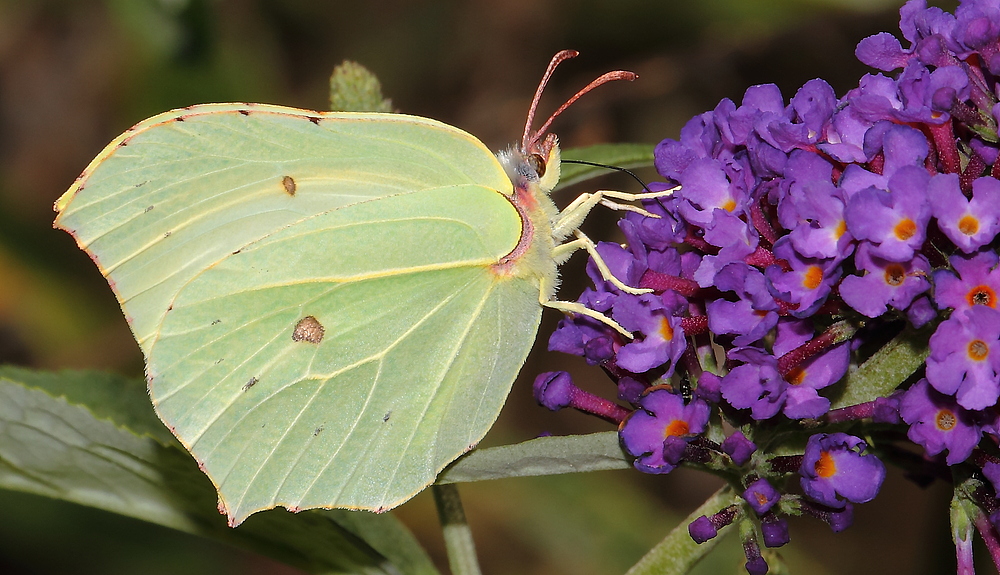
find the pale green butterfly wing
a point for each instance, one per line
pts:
(314, 294)
(179, 191)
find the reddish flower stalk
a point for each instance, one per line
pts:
(695, 324)
(836, 333)
(989, 536)
(661, 282)
(943, 137)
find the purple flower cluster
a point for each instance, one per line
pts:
(801, 236)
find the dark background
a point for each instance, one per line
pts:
(75, 73)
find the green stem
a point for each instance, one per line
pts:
(886, 368)
(677, 553)
(457, 535)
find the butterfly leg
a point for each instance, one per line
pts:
(570, 218)
(562, 252)
(572, 307)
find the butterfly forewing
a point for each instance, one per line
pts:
(185, 189)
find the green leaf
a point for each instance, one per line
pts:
(628, 156)
(678, 553)
(353, 88)
(108, 396)
(885, 369)
(59, 439)
(542, 456)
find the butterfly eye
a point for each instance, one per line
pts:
(537, 163)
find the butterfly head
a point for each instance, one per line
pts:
(538, 167)
(536, 159)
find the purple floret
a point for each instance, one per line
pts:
(761, 496)
(814, 212)
(702, 530)
(836, 470)
(970, 224)
(663, 415)
(554, 389)
(965, 357)
(774, 531)
(663, 338)
(801, 399)
(884, 282)
(882, 51)
(807, 284)
(751, 316)
(755, 384)
(938, 423)
(977, 282)
(738, 447)
(895, 222)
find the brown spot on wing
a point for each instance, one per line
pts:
(289, 184)
(253, 381)
(308, 329)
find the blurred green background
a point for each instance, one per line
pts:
(75, 73)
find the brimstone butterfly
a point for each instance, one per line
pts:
(332, 306)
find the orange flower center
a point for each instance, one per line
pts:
(795, 376)
(905, 229)
(945, 420)
(968, 225)
(729, 205)
(982, 295)
(825, 465)
(894, 274)
(978, 350)
(812, 278)
(666, 332)
(840, 229)
(677, 428)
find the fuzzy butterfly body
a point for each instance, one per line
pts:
(332, 306)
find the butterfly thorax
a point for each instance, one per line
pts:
(533, 176)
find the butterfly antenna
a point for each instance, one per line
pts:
(556, 60)
(603, 79)
(609, 167)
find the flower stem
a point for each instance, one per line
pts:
(596, 405)
(457, 535)
(677, 552)
(989, 535)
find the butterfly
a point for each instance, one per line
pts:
(332, 306)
